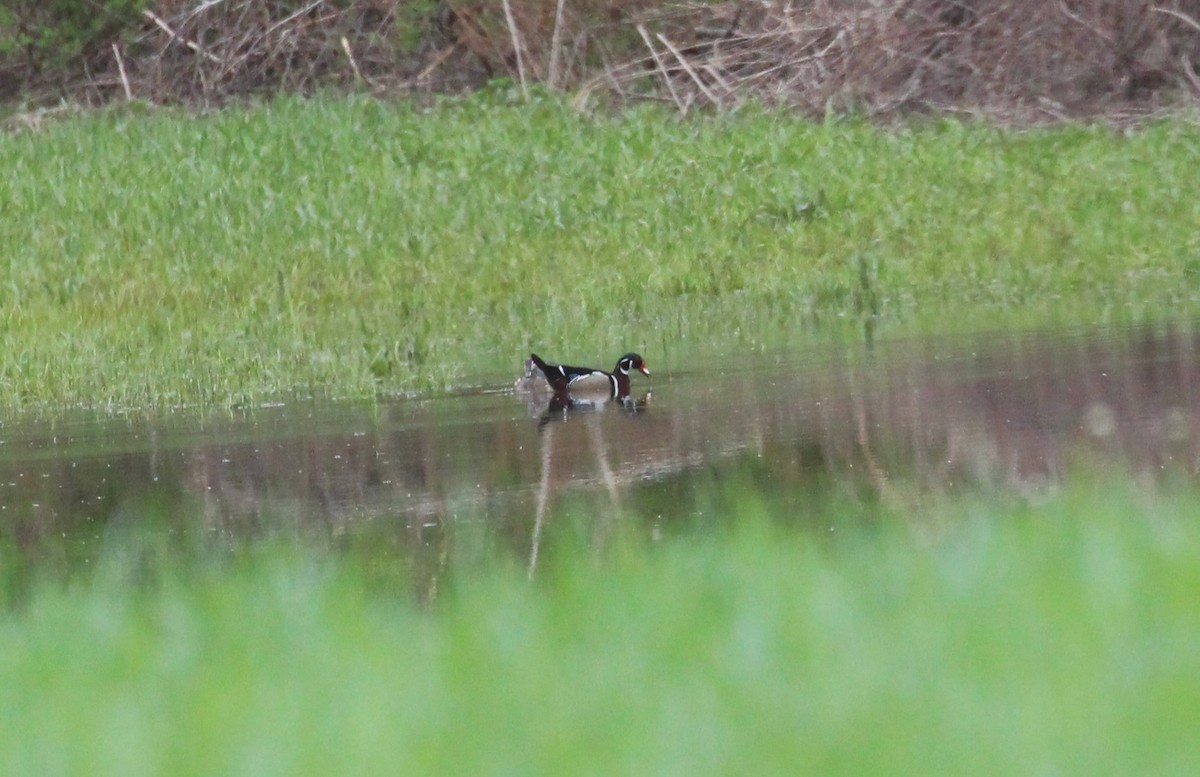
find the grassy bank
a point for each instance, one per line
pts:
(1062, 638)
(351, 247)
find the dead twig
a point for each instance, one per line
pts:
(291, 17)
(555, 45)
(712, 97)
(438, 59)
(1180, 15)
(1099, 33)
(358, 76)
(124, 76)
(1190, 73)
(662, 69)
(175, 37)
(518, 48)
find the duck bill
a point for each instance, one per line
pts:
(644, 370)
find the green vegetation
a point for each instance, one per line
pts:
(54, 35)
(1060, 638)
(350, 247)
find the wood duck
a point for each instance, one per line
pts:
(589, 382)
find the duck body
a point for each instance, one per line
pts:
(590, 383)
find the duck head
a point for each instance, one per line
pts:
(632, 361)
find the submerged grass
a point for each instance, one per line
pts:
(1059, 638)
(351, 247)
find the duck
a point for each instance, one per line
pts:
(590, 383)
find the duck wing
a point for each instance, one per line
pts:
(562, 375)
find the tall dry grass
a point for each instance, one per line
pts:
(1016, 59)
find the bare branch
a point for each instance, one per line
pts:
(555, 45)
(666, 76)
(175, 37)
(121, 68)
(713, 98)
(358, 76)
(1178, 15)
(518, 48)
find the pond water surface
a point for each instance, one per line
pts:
(423, 486)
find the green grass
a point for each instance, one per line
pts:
(350, 247)
(1061, 638)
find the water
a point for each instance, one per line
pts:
(421, 488)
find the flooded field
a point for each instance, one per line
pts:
(423, 487)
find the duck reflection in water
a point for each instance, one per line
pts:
(575, 389)
(558, 391)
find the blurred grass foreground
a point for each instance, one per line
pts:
(1061, 637)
